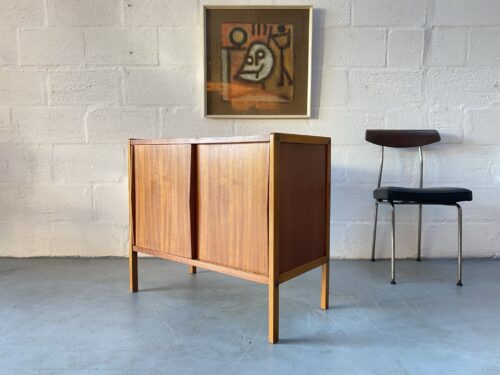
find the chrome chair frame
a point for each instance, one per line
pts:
(419, 237)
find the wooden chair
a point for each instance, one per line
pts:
(393, 195)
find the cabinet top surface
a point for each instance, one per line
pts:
(296, 138)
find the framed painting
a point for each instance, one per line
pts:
(257, 61)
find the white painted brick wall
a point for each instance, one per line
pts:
(108, 203)
(449, 122)
(54, 202)
(84, 13)
(88, 163)
(84, 87)
(79, 77)
(54, 46)
(484, 47)
(347, 127)
(25, 163)
(405, 48)
(21, 13)
(48, 125)
(448, 46)
(172, 50)
(161, 13)
(22, 87)
(332, 85)
(106, 46)
(355, 47)
(404, 118)
(6, 127)
(160, 86)
(334, 12)
(471, 87)
(384, 88)
(467, 12)
(389, 12)
(483, 127)
(113, 125)
(8, 46)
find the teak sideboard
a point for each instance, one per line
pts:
(255, 207)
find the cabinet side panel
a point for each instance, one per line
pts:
(232, 198)
(162, 176)
(302, 204)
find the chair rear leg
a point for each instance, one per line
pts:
(393, 238)
(419, 242)
(459, 259)
(374, 232)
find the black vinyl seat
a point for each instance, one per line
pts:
(433, 195)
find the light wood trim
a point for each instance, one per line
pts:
(262, 279)
(299, 138)
(273, 311)
(275, 117)
(193, 206)
(133, 286)
(325, 271)
(170, 141)
(325, 287)
(288, 275)
(288, 138)
(257, 7)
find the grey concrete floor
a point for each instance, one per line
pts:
(75, 316)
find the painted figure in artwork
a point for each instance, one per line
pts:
(257, 62)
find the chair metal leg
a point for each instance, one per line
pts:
(374, 232)
(419, 242)
(393, 237)
(459, 265)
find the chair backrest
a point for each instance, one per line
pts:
(402, 139)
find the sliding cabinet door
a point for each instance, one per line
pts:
(232, 205)
(164, 198)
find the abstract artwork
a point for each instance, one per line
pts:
(257, 61)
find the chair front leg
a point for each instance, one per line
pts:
(374, 232)
(419, 241)
(393, 238)
(459, 259)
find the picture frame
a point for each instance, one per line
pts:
(257, 61)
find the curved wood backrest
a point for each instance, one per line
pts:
(402, 138)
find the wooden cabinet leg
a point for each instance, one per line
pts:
(325, 285)
(133, 271)
(192, 269)
(273, 313)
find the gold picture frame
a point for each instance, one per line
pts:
(257, 61)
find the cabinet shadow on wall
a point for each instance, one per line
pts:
(317, 60)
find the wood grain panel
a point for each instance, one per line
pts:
(232, 198)
(303, 193)
(163, 198)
